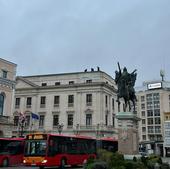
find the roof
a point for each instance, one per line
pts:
(13, 139)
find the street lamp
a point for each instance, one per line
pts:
(60, 128)
(97, 130)
(77, 129)
(22, 121)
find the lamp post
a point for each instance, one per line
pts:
(77, 129)
(97, 130)
(60, 128)
(22, 121)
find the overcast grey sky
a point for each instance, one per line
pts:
(60, 36)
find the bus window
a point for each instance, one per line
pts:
(36, 147)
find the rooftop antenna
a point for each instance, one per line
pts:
(162, 74)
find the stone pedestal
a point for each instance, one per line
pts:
(128, 141)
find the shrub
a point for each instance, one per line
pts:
(165, 166)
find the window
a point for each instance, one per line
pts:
(156, 96)
(4, 73)
(143, 129)
(42, 102)
(142, 106)
(150, 120)
(152, 137)
(70, 100)
(70, 120)
(106, 119)
(143, 113)
(17, 102)
(113, 121)
(41, 121)
(1, 104)
(44, 84)
(89, 81)
(157, 129)
(29, 102)
(150, 129)
(27, 124)
(57, 83)
(149, 105)
(16, 120)
(89, 99)
(56, 101)
(157, 112)
(71, 82)
(113, 104)
(55, 120)
(157, 120)
(144, 137)
(156, 104)
(143, 121)
(88, 119)
(142, 98)
(149, 97)
(106, 100)
(150, 113)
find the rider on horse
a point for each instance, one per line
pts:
(125, 82)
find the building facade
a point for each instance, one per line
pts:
(153, 101)
(7, 84)
(71, 103)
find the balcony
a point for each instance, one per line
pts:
(5, 120)
(56, 105)
(99, 128)
(28, 106)
(42, 105)
(89, 104)
(17, 106)
(70, 104)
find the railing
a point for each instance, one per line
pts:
(42, 105)
(5, 119)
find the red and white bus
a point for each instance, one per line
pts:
(47, 150)
(11, 151)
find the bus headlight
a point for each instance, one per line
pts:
(44, 161)
(24, 161)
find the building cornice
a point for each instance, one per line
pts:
(67, 86)
(7, 82)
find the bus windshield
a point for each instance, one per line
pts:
(35, 148)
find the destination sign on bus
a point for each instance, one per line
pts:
(36, 137)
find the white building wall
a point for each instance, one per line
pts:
(102, 84)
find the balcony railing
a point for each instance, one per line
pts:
(56, 105)
(70, 104)
(28, 106)
(42, 105)
(5, 120)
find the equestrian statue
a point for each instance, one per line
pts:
(125, 82)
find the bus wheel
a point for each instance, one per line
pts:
(63, 163)
(5, 163)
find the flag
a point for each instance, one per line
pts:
(34, 116)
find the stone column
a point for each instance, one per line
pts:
(128, 142)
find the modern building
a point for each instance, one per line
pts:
(153, 101)
(71, 103)
(7, 84)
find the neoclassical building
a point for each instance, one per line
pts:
(71, 103)
(7, 84)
